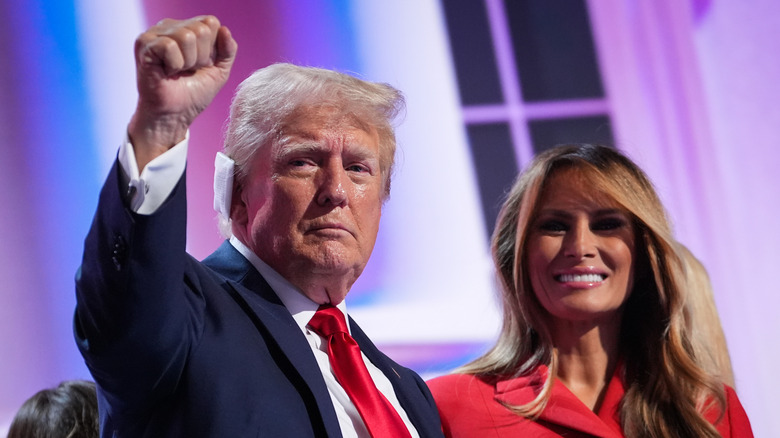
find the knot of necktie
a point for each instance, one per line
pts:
(328, 321)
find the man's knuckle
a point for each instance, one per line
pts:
(200, 30)
(211, 21)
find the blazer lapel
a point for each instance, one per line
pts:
(563, 409)
(610, 406)
(262, 305)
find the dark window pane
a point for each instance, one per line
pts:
(553, 48)
(548, 133)
(494, 158)
(472, 52)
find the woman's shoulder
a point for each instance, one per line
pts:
(734, 422)
(466, 404)
(458, 385)
(453, 391)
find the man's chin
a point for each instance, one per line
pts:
(335, 257)
(330, 267)
(325, 290)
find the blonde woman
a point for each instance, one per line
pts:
(594, 339)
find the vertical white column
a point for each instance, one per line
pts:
(433, 255)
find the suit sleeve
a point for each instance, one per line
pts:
(138, 312)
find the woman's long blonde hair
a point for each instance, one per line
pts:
(703, 321)
(666, 388)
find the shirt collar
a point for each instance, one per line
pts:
(299, 305)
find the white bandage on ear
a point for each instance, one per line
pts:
(223, 184)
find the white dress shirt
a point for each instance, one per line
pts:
(146, 192)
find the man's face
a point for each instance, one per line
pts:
(311, 204)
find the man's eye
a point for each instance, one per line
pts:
(357, 168)
(301, 162)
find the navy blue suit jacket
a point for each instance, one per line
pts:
(182, 348)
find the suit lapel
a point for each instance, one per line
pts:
(563, 409)
(406, 387)
(263, 306)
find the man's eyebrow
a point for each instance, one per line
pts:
(291, 146)
(361, 151)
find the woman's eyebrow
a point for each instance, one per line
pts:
(554, 212)
(566, 214)
(609, 212)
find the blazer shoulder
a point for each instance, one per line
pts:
(735, 422)
(460, 391)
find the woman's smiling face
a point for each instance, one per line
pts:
(580, 251)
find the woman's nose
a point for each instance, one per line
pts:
(580, 242)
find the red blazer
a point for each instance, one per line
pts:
(470, 406)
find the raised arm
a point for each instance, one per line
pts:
(180, 67)
(138, 312)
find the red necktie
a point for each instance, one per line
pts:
(380, 417)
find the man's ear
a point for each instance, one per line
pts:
(238, 213)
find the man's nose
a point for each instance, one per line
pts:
(580, 242)
(331, 190)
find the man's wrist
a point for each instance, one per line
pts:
(155, 136)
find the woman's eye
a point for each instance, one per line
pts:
(553, 226)
(608, 224)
